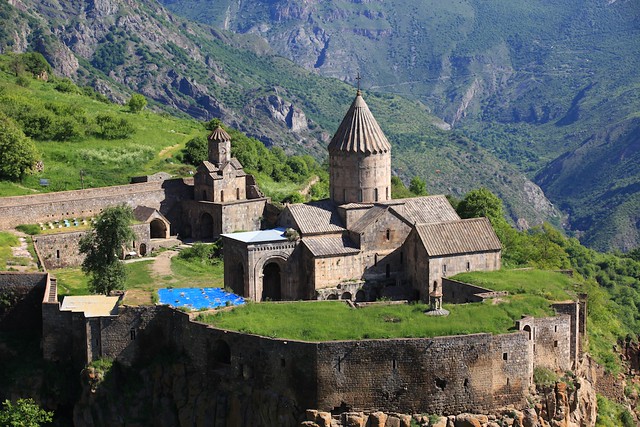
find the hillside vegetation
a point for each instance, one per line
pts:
(549, 87)
(138, 46)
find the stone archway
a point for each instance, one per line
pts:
(346, 296)
(206, 226)
(527, 328)
(271, 282)
(158, 229)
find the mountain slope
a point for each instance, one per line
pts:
(136, 45)
(529, 80)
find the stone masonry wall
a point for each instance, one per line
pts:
(440, 267)
(454, 292)
(439, 375)
(61, 250)
(20, 299)
(31, 209)
(550, 340)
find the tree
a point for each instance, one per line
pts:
(103, 246)
(196, 150)
(481, 203)
(137, 102)
(418, 186)
(17, 152)
(24, 413)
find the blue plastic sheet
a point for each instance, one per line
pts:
(198, 298)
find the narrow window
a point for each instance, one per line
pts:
(58, 253)
(339, 365)
(133, 244)
(344, 195)
(222, 195)
(435, 285)
(555, 343)
(375, 260)
(237, 193)
(387, 193)
(444, 269)
(388, 234)
(360, 195)
(132, 334)
(394, 364)
(468, 266)
(555, 328)
(504, 356)
(375, 194)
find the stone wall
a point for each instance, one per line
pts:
(439, 375)
(550, 341)
(61, 250)
(208, 219)
(356, 177)
(454, 292)
(328, 272)
(20, 300)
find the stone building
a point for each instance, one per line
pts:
(359, 244)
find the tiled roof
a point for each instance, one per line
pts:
(219, 134)
(359, 131)
(143, 213)
(210, 167)
(356, 206)
(425, 210)
(311, 219)
(330, 245)
(457, 237)
(369, 218)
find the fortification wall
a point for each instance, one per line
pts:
(61, 250)
(550, 339)
(439, 375)
(46, 207)
(20, 300)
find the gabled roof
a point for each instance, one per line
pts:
(219, 134)
(330, 246)
(457, 237)
(146, 214)
(208, 166)
(318, 218)
(359, 131)
(424, 210)
(369, 218)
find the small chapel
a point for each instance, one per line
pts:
(360, 244)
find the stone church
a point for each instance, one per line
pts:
(360, 244)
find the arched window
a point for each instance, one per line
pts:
(375, 194)
(222, 195)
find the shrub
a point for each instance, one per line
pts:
(196, 150)
(544, 377)
(31, 229)
(112, 127)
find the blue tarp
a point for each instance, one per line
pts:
(197, 298)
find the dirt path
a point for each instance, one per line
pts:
(162, 263)
(307, 188)
(22, 252)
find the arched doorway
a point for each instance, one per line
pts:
(219, 354)
(206, 226)
(271, 282)
(528, 329)
(158, 229)
(346, 296)
(332, 297)
(143, 249)
(360, 295)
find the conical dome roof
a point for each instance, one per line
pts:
(359, 131)
(219, 135)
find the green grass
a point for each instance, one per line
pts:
(326, 320)
(7, 241)
(547, 284)
(142, 283)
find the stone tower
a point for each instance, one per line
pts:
(359, 158)
(219, 147)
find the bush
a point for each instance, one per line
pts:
(137, 102)
(31, 229)
(65, 86)
(112, 127)
(202, 253)
(23, 80)
(196, 150)
(544, 377)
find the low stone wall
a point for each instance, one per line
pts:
(20, 300)
(455, 292)
(61, 250)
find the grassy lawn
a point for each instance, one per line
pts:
(7, 241)
(547, 284)
(143, 283)
(326, 320)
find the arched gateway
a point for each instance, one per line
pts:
(271, 282)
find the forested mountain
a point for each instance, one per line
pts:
(135, 45)
(536, 82)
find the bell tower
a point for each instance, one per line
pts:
(219, 147)
(359, 158)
